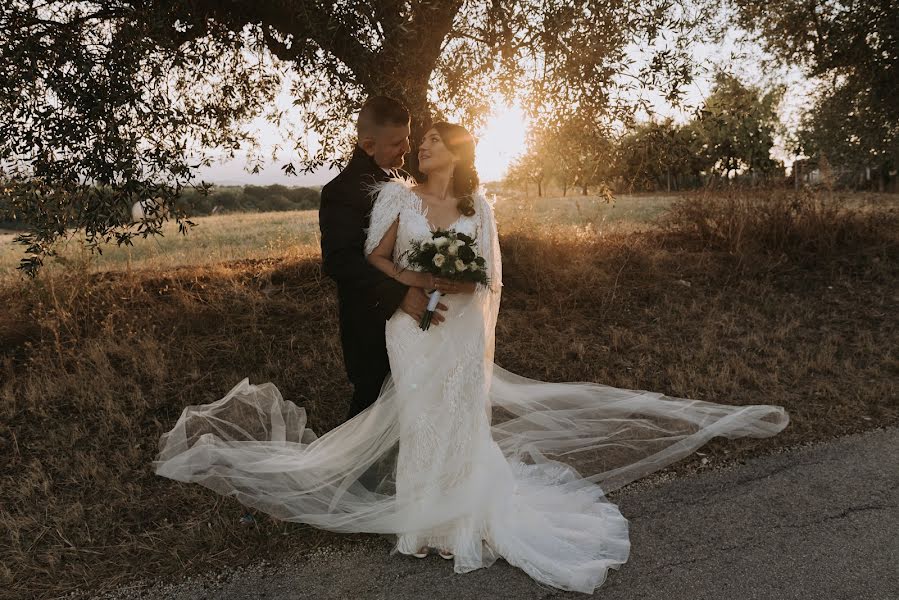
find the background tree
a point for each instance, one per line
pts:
(548, 158)
(580, 148)
(841, 131)
(534, 166)
(104, 103)
(659, 155)
(736, 127)
(570, 148)
(852, 50)
(732, 132)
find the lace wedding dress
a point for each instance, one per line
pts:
(456, 453)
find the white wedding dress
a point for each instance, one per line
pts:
(456, 453)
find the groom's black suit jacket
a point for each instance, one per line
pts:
(366, 296)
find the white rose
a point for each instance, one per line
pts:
(460, 266)
(473, 267)
(441, 241)
(439, 259)
(452, 250)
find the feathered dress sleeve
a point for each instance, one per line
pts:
(391, 198)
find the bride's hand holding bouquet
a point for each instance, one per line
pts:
(451, 258)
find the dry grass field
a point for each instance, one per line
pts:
(743, 298)
(215, 239)
(289, 234)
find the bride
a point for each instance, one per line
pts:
(456, 455)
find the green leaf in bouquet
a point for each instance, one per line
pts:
(466, 253)
(469, 241)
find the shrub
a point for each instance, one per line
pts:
(777, 221)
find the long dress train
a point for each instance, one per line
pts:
(456, 453)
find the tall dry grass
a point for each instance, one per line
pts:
(801, 222)
(94, 367)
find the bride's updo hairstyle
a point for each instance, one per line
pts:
(460, 142)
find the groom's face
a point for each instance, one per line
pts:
(387, 144)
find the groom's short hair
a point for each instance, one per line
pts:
(378, 111)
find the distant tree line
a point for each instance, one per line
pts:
(248, 198)
(848, 135)
(217, 200)
(729, 137)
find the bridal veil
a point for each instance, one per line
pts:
(255, 446)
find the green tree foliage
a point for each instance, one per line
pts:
(581, 150)
(732, 132)
(852, 139)
(532, 167)
(852, 49)
(7, 219)
(250, 198)
(99, 108)
(659, 155)
(105, 103)
(736, 127)
(570, 149)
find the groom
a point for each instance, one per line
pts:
(366, 297)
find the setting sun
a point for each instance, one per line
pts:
(501, 141)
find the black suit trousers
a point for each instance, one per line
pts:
(365, 358)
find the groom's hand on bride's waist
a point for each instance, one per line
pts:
(416, 302)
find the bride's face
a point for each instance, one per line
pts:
(433, 155)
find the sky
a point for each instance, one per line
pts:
(504, 135)
(497, 146)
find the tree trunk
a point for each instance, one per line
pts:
(421, 122)
(407, 60)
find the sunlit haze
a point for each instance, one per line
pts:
(500, 142)
(503, 137)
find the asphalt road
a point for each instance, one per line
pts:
(816, 523)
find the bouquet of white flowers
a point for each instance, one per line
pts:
(450, 255)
